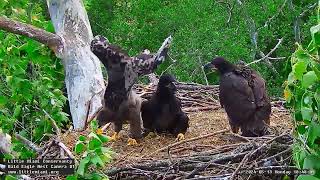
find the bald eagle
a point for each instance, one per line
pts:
(120, 101)
(163, 113)
(243, 96)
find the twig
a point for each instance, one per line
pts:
(276, 155)
(105, 127)
(244, 160)
(53, 122)
(66, 149)
(46, 149)
(187, 140)
(267, 55)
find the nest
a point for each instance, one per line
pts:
(208, 152)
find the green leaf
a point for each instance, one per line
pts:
(315, 69)
(298, 69)
(301, 129)
(315, 32)
(309, 78)
(291, 78)
(314, 132)
(79, 148)
(83, 166)
(3, 100)
(103, 138)
(71, 177)
(307, 177)
(94, 143)
(82, 138)
(97, 161)
(312, 162)
(307, 113)
(17, 111)
(9, 177)
(94, 125)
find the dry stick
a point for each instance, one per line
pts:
(105, 127)
(28, 143)
(66, 149)
(240, 137)
(47, 147)
(187, 140)
(53, 122)
(273, 156)
(267, 55)
(245, 158)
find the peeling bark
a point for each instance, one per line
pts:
(84, 80)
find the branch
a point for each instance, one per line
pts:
(247, 156)
(53, 122)
(267, 55)
(52, 40)
(28, 143)
(188, 140)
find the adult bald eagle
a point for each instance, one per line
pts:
(163, 113)
(120, 101)
(243, 96)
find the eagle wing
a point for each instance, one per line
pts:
(259, 90)
(236, 97)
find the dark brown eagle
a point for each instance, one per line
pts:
(163, 113)
(243, 96)
(120, 101)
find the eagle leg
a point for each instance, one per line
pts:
(151, 135)
(132, 142)
(180, 137)
(234, 129)
(115, 136)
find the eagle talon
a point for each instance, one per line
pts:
(114, 137)
(132, 142)
(180, 137)
(152, 135)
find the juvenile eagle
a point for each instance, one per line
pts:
(243, 96)
(163, 113)
(120, 101)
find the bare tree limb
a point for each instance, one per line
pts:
(50, 39)
(267, 55)
(30, 144)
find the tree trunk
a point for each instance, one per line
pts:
(83, 76)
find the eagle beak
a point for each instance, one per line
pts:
(171, 86)
(209, 66)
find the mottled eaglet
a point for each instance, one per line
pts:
(120, 101)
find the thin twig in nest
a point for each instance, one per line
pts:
(187, 140)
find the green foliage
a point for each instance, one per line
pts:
(93, 154)
(31, 79)
(202, 30)
(303, 96)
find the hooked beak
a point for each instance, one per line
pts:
(209, 66)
